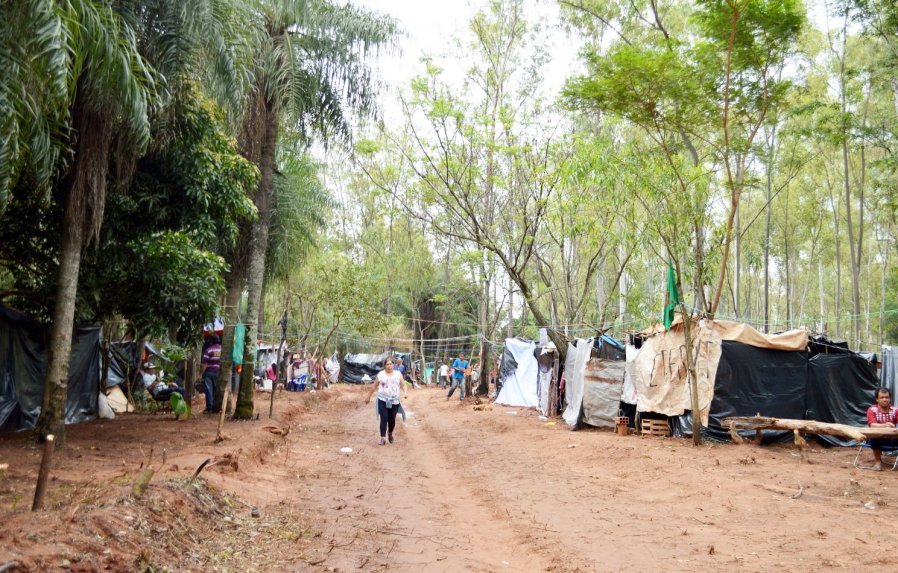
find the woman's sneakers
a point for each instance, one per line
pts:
(382, 441)
(391, 438)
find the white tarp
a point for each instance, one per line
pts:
(573, 379)
(545, 379)
(333, 368)
(628, 394)
(602, 384)
(519, 388)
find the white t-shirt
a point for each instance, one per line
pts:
(444, 370)
(389, 383)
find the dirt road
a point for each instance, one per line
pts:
(460, 490)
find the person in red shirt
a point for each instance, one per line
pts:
(881, 415)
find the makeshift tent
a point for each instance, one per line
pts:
(594, 378)
(23, 365)
(123, 358)
(840, 389)
(519, 374)
(753, 380)
(356, 366)
(659, 366)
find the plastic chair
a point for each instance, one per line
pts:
(887, 451)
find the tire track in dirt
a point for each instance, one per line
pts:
(405, 506)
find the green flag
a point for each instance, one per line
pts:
(237, 354)
(671, 298)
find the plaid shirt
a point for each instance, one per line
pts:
(875, 415)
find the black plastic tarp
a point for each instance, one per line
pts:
(754, 380)
(356, 366)
(23, 364)
(840, 389)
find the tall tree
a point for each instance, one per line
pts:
(309, 69)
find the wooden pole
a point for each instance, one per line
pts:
(221, 414)
(44, 472)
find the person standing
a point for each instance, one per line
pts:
(881, 415)
(459, 365)
(388, 383)
(444, 375)
(210, 367)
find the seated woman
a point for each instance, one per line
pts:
(881, 415)
(159, 390)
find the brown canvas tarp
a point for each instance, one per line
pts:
(659, 372)
(792, 340)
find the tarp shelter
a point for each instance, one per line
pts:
(659, 372)
(356, 366)
(594, 378)
(753, 380)
(519, 374)
(23, 365)
(123, 358)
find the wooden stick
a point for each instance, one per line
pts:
(802, 446)
(44, 472)
(225, 400)
(734, 435)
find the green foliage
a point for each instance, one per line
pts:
(168, 282)
(301, 207)
(198, 183)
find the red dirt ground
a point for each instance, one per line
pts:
(460, 490)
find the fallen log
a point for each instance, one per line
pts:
(809, 427)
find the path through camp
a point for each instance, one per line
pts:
(460, 490)
(500, 490)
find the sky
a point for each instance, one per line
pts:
(430, 28)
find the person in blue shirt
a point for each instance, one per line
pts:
(459, 365)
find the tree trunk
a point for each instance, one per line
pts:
(692, 377)
(52, 417)
(231, 317)
(557, 338)
(85, 187)
(256, 268)
(767, 250)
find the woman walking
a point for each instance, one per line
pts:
(387, 384)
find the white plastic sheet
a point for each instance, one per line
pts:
(628, 395)
(520, 387)
(573, 385)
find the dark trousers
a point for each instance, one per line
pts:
(164, 394)
(209, 380)
(387, 417)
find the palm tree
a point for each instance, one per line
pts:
(309, 70)
(111, 90)
(34, 94)
(127, 61)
